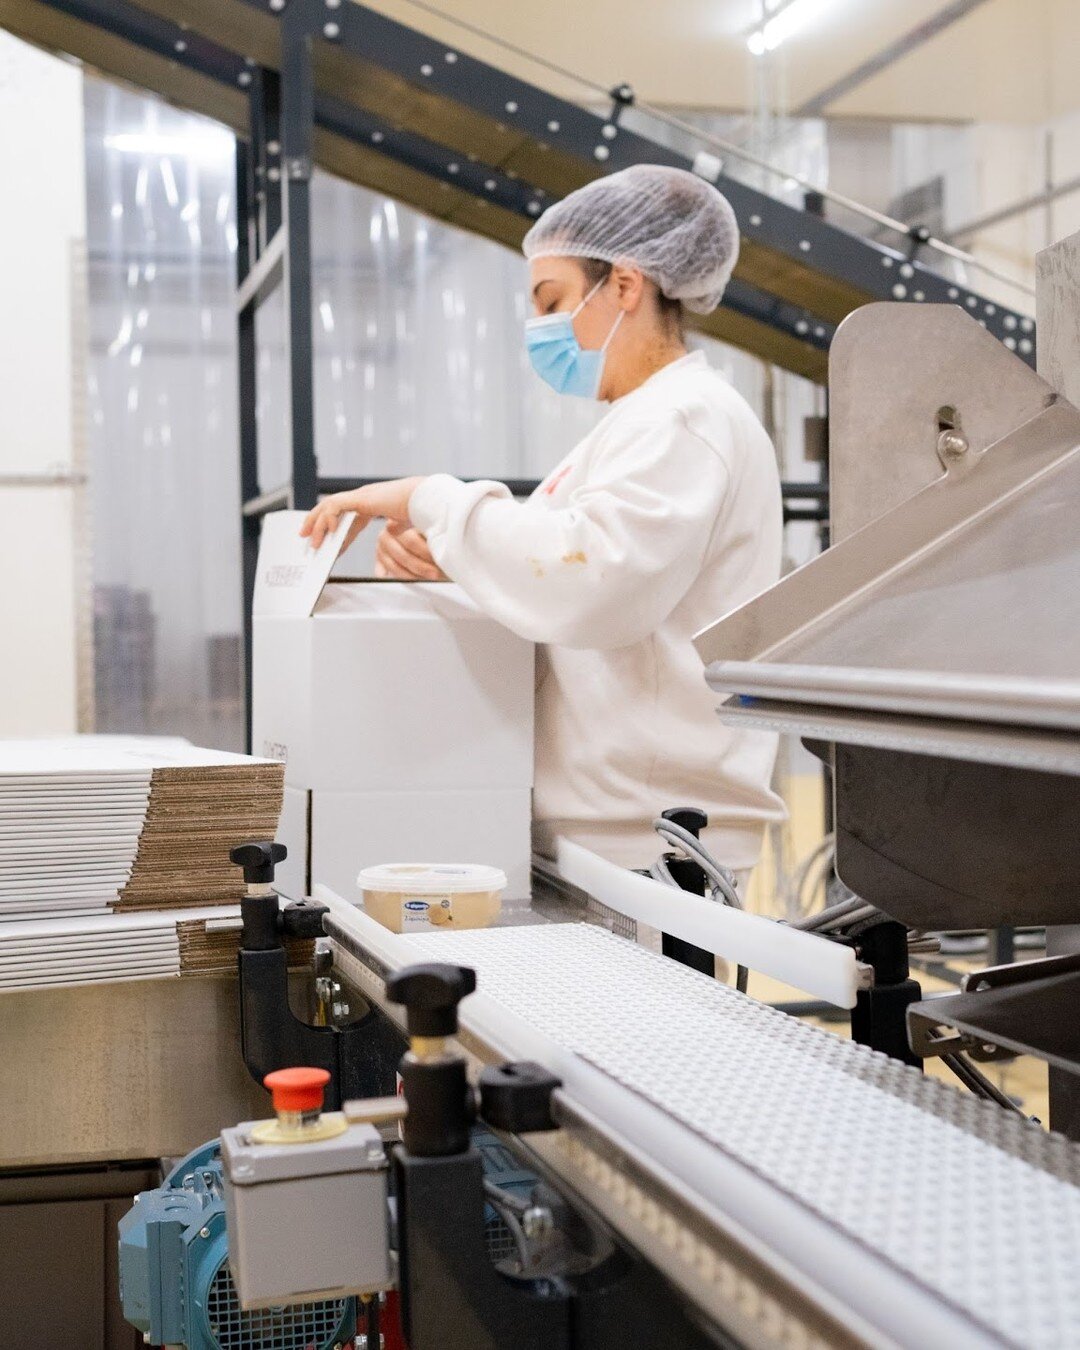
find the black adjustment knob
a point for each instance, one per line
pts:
(258, 859)
(431, 994)
(517, 1097)
(303, 919)
(691, 818)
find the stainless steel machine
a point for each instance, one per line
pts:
(933, 654)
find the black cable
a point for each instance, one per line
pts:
(498, 1196)
(521, 1242)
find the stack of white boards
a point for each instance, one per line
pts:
(89, 825)
(46, 953)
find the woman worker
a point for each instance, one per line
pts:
(662, 519)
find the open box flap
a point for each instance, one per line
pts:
(291, 574)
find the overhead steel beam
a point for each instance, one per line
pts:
(888, 56)
(127, 44)
(1018, 208)
(410, 117)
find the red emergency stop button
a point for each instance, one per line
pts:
(297, 1089)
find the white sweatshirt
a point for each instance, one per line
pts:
(662, 519)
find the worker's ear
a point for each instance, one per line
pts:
(630, 287)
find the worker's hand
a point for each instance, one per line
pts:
(402, 553)
(387, 501)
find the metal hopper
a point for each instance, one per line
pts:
(936, 646)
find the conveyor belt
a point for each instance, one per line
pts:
(973, 1204)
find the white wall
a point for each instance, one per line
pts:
(42, 227)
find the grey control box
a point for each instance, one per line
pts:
(307, 1220)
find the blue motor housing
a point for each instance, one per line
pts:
(175, 1284)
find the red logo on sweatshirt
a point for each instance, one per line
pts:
(549, 487)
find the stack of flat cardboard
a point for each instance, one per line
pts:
(91, 824)
(208, 948)
(137, 945)
(195, 815)
(45, 953)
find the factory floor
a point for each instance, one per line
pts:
(1023, 1079)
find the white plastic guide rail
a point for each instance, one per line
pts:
(931, 1217)
(822, 968)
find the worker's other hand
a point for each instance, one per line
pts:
(386, 501)
(403, 554)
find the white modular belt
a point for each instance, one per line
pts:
(934, 1217)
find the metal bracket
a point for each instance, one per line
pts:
(925, 1036)
(48, 479)
(622, 97)
(1020, 972)
(893, 372)
(1027, 1008)
(918, 235)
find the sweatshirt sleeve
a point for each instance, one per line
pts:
(604, 570)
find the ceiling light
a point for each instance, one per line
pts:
(202, 143)
(786, 20)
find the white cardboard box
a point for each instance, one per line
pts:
(403, 714)
(332, 835)
(371, 686)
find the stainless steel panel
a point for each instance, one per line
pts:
(891, 368)
(941, 844)
(1017, 747)
(1057, 289)
(962, 602)
(1057, 296)
(144, 1069)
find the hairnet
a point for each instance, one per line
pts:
(672, 224)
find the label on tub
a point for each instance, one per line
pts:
(433, 911)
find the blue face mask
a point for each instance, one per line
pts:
(559, 358)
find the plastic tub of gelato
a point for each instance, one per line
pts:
(420, 897)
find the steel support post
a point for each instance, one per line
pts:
(246, 246)
(266, 152)
(297, 138)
